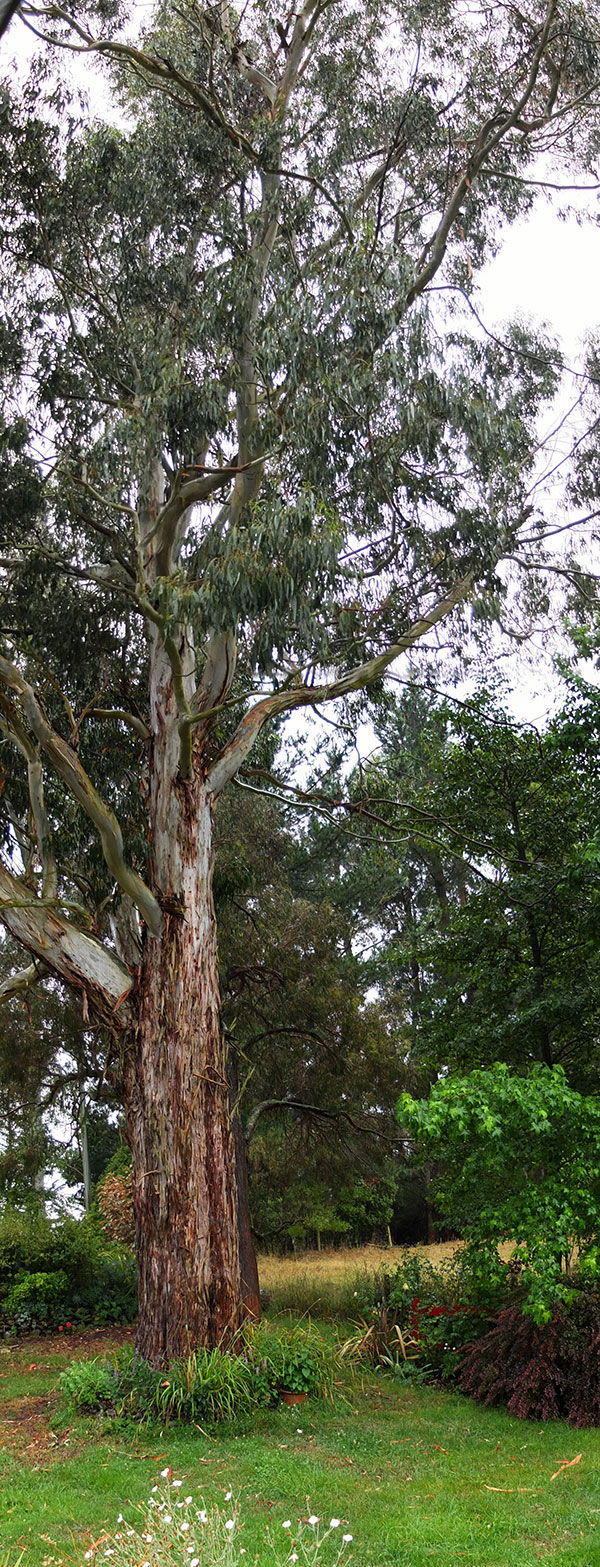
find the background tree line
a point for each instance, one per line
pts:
(438, 912)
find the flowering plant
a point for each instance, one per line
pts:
(175, 1530)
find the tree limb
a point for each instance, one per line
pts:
(73, 955)
(13, 728)
(231, 759)
(22, 981)
(323, 1115)
(69, 768)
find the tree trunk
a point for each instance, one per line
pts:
(175, 1075)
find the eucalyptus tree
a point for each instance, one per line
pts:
(246, 466)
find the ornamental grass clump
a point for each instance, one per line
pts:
(206, 1385)
(174, 1529)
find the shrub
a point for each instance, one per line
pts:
(207, 1384)
(418, 1279)
(35, 1300)
(41, 1245)
(540, 1371)
(88, 1385)
(54, 1270)
(442, 1334)
(171, 1528)
(111, 1297)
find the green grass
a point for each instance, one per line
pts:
(407, 1470)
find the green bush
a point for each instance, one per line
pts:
(88, 1385)
(208, 1384)
(443, 1334)
(111, 1298)
(83, 1279)
(41, 1245)
(35, 1300)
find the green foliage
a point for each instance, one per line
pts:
(38, 1245)
(84, 1280)
(111, 1296)
(209, 1384)
(443, 1336)
(35, 1300)
(518, 1160)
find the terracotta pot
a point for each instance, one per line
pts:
(292, 1398)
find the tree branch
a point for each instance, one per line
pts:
(490, 137)
(13, 728)
(69, 768)
(230, 760)
(73, 955)
(323, 1115)
(22, 981)
(161, 72)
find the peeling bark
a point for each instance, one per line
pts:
(177, 1097)
(70, 953)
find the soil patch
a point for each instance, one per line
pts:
(44, 1345)
(26, 1428)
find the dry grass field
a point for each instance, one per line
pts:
(339, 1265)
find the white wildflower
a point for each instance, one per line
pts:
(184, 1527)
(176, 1484)
(313, 1519)
(188, 1499)
(334, 1523)
(294, 1556)
(167, 1518)
(228, 1496)
(195, 1561)
(120, 1518)
(201, 1516)
(287, 1524)
(88, 1556)
(154, 1488)
(346, 1538)
(164, 1473)
(230, 1523)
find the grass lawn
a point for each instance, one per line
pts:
(417, 1476)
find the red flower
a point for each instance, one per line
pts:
(60, 1329)
(68, 1324)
